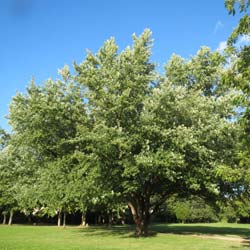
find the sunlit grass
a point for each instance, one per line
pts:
(164, 236)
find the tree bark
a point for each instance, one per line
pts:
(4, 218)
(141, 216)
(29, 219)
(142, 227)
(64, 219)
(96, 219)
(83, 219)
(99, 219)
(110, 219)
(11, 217)
(59, 219)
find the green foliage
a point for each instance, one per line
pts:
(47, 116)
(202, 72)
(191, 209)
(229, 214)
(182, 212)
(237, 209)
(232, 4)
(243, 27)
(4, 138)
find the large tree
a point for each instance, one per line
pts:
(152, 137)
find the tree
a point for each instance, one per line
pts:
(3, 187)
(8, 177)
(45, 122)
(191, 209)
(152, 138)
(182, 211)
(18, 179)
(237, 75)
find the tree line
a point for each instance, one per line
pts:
(115, 133)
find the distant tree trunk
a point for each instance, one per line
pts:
(64, 219)
(99, 219)
(141, 216)
(96, 219)
(123, 221)
(4, 218)
(83, 219)
(29, 219)
(59, 218)
(110, 219)
(11, 217)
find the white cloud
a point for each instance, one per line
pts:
(218, 25)
(245, 39)
(222, 46)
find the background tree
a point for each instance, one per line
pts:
(192, 209)
(4, 200)
(9, 182)
(45, 122)
(237, 75)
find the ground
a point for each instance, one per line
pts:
(164, 236)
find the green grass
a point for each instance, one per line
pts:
(164, 236)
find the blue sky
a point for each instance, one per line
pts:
(40, 36)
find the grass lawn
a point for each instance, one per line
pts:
(165, 236)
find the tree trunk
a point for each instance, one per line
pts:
(4, 218)
(96, 219)
(123, 221)
(142, 227)
(83, 219)
(141, 216)
(64, 219)
(29, 219)
(11, 217)
(110, 219)
(59, 219)
(99, 219)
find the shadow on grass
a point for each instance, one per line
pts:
(209, 230)
(128, 231)
(202, 230)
